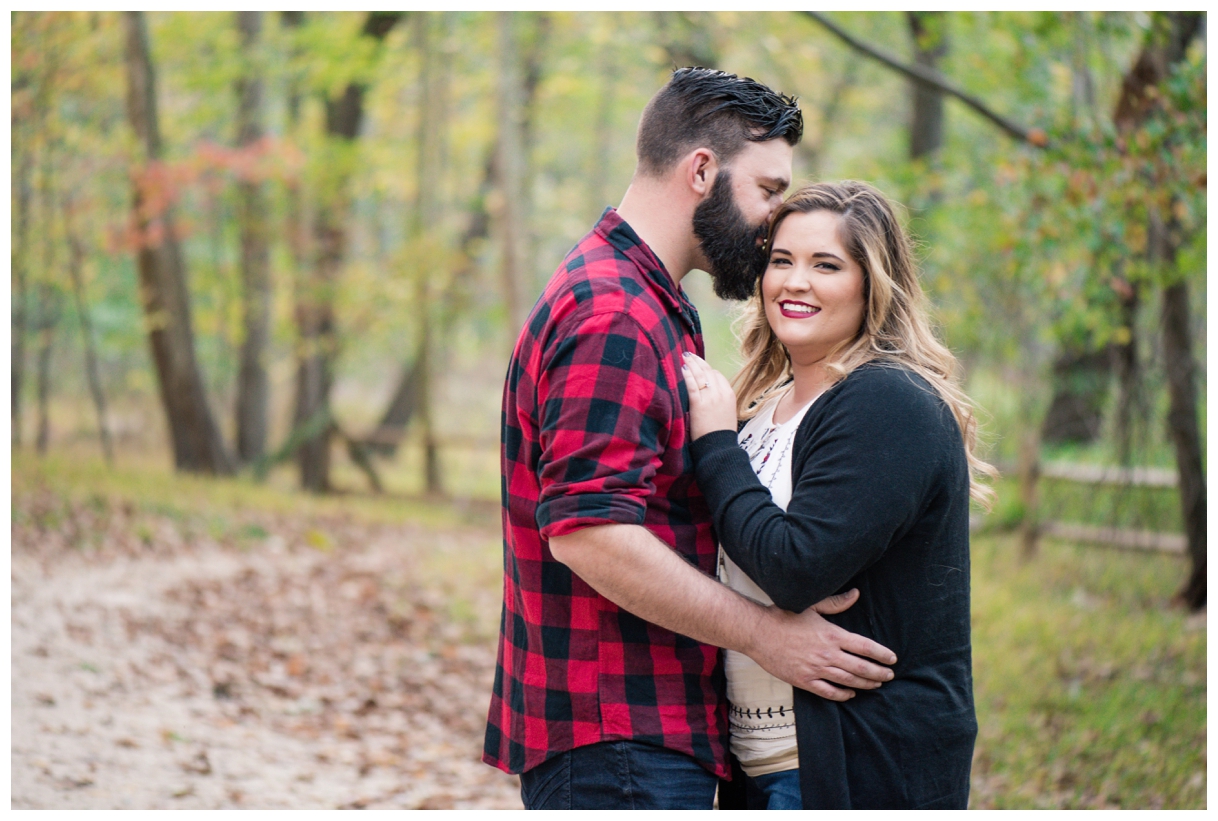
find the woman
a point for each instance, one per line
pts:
(854, 469)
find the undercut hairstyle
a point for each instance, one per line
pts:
(702, 107)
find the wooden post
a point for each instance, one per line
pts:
(1029, 475)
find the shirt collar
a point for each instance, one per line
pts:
(618, 233)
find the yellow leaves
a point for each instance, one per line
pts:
(1122, 336)
(318, 540)
(1056, 275)
(1135, 237)
(1062, 77)
(978, 197)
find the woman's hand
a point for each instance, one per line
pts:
(712, 402)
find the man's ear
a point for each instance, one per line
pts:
(700, 167)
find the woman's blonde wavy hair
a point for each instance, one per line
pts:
(895, 326)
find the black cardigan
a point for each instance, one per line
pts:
(880, 502)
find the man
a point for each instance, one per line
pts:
(609, 688)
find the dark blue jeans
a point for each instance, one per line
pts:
(618, 775)
(774, 791)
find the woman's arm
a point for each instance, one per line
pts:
(874, 443)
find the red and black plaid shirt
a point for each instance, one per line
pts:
(595, 432)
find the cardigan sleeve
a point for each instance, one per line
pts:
(867, 455)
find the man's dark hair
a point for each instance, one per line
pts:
(705, 107)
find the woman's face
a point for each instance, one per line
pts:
(812, 290)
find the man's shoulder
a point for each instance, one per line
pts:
(597, 279)
(595, 266)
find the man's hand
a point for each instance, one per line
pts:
(805, 650)
(636, 571)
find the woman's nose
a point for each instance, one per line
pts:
(799, 280)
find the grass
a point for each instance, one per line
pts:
(1090, 684)
(1140, 508)
(152, 485)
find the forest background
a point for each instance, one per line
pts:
(268, 268)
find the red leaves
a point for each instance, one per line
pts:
(160, 185)
(265, 159)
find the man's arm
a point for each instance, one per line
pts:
(636, 571)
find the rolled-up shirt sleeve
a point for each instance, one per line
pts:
(605, 410)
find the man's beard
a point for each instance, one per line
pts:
(731, 246)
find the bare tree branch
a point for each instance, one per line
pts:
(935, 80)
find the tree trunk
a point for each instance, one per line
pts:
(448, 305)
(1124, 354)
(532, 64)
(308, 393)
(49, 301)
(315, 324)
(48, 319)
(253, 383)
(510, 163)
(608, 74)
(1082, 85)
(197, 445)
(422, 224)
(1185, 435)
(76, 260)
(929, 32)
(1080, 387)
(20, 262)
(519, 75)
(1166, 43)
(299, 246)
(315, 300)
(405, 399)
(215, 217)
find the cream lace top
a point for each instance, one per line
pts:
(761, 708)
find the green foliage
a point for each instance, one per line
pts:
(1092, 196)
(1021, 247)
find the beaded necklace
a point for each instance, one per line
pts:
(766, 443)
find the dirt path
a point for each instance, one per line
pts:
(300, 666)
